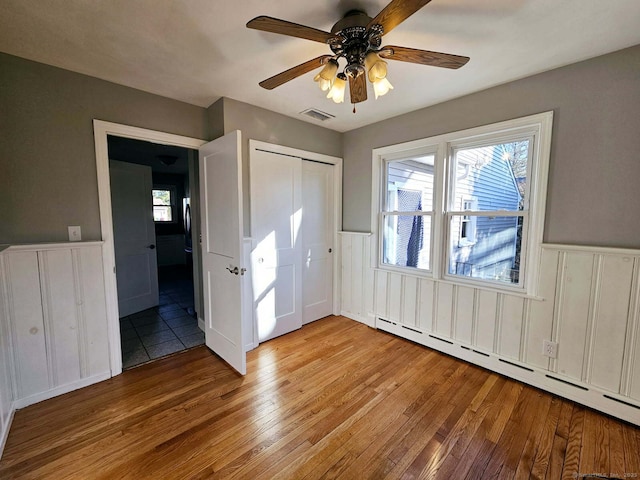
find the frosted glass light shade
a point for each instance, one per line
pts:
(327, 75)
(375, 66)
(337, 90)
(381, 87)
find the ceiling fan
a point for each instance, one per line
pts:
(357, 39)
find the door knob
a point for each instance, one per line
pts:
(235, 270)
(152, 246)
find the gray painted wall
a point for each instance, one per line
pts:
(593, 194)
(47, 154)
(267, 126)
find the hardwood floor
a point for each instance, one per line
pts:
(335, 399)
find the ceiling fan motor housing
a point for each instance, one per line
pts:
(353, 40)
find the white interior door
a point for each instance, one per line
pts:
(276, 215)
(317, 240)
(134, 237)
(222, 271)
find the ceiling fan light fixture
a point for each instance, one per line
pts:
(327, 75)
(337, 89)
(358, 39)
(381, 87)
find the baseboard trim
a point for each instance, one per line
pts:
(368, 320)
(604, 401)
(201, 324)
(61, 390)
(7, 428)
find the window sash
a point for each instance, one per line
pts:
(430, 241)
(448, 242)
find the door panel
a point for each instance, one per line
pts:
(221, 214)
(317, 240)
(134, 234)
(276, 215)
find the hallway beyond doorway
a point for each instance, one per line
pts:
(168, 328)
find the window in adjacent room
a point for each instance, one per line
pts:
(163, 204)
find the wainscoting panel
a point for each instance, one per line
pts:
(358, 283)
(610, 318)
(588, 302)
(575, 303)
(56, 316)
(541, 312)
(511, 327)
(464, 319)
(26, 323)
(487, 313)
(6, 364)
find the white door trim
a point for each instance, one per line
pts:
(100, 131)
(255, 145)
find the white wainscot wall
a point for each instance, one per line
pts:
(55, 318)
(588, 302)
(6, 364)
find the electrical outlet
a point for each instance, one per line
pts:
(549, 349)
(75, 234)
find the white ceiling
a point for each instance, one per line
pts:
(199, 50)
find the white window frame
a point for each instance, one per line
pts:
(537, 127)
(174, 211)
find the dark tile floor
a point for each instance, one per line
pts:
(168, 328)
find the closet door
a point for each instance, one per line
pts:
(317, 240)
(276, 218)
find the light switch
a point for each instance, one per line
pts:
(75, 234)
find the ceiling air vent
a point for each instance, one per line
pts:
(317, 114)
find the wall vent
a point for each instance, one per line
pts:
(317, 114)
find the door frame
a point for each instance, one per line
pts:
(101, 130)
(255, 145)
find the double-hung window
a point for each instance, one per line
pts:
(466, 207)
(164, 201)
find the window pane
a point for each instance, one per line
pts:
(410, 185)
(161, 214)
(494, 177)
(161, 197)
(407, 240)
(487, 248)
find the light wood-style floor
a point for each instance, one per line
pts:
(333, 400)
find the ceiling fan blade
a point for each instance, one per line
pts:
(423, 57)
(396, 12)
(294, 72)
(358, 88)
(275, 25)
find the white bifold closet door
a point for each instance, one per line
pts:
(291, 221)
(317, 240)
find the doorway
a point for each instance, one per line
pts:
(102, 130)
(151, 190)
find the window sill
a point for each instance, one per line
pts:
(475, 285)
